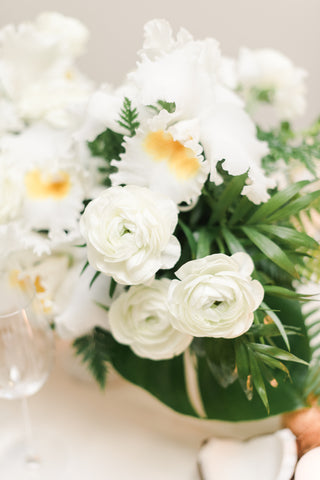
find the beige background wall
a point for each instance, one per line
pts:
(291, 26)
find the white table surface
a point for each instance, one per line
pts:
(120, 434)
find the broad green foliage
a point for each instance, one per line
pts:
(226, 380)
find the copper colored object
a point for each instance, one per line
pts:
(305, 424)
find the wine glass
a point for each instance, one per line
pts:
(26, 359)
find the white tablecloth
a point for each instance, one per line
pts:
(120, 434)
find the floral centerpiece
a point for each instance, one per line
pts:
(170, 225)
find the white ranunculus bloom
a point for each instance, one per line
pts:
(215, 296)
(140, 318)
(128, 231)
(270, 71)
(165, 158)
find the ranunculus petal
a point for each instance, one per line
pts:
(215, 296)
(128, 231)
(140, 318)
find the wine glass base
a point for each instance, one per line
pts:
(47, 461)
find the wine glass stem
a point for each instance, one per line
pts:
(31, 459)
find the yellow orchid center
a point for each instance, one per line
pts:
(17, 281)
(50, 186)
(180, 159)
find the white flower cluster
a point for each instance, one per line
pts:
(173, 152)
(267, 75)
(214, 297)
(45, 175)
(192, 106)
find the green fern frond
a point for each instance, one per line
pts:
(285, 144)
(108, 146)
(94, 352)
(129, 117)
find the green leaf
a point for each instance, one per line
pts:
(243, 208)
(128, 117)
(289, 235)
(277, 353)
(295, 206)
(268, 374)
(232, 242)
(273, 363)
(190, 238)
(271, 330)
(112, 287)
(312, 384)
(94, 278)
(107, 145)
(243, 369)
(271, 250)
(166, 380)
(93, 350)
(276, 320)
(163, 105)
(204, 243)
(84, 268)
(257, 380)
(286, 144)
(230, 192)
(277, 202)
(220, 355)
(286, 293)
(104, 307)
(169, 106)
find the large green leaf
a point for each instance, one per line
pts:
(165, 379)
